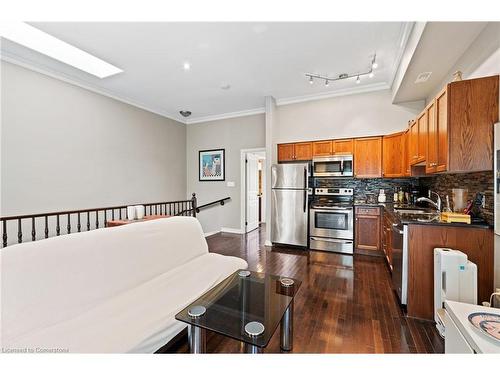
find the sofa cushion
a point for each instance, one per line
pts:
(58, 279)
(138, 320)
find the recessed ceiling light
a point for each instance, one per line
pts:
(186, 66)
(311, 81)
(185, 113)
(371, 75)
(37, 40)
(423, 77)
(374, 65)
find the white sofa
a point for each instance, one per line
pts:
(110, 290)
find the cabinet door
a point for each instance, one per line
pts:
(303, 151)
(406, 153)
(393, 155)
(422, 137)
(368, 157)
(367, 232)
(285, 152)
(343, 147)
(413, 143)
(322, 148)
(441, 121)
(432, 140)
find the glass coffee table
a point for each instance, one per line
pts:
(246, 306)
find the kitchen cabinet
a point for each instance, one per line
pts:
(368, 157)
(406, 153)
(301, 151)
(393, 151)
(343, 147)
(286, 152)
(322, 148)
(432, 139)
(477, 243)
(367, 229)
(413, 142)
(387, 239)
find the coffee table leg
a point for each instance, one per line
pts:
(252, 349)
(197, 340)
(286, 329)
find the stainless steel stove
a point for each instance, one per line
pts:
(331, 220)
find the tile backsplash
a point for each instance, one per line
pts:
(476, 182)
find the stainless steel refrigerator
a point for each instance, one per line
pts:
(289, 184)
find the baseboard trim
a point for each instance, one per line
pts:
(208, 234)
(232, 230)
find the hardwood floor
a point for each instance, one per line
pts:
(345, 303)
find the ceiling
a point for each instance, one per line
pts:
(439, 47)
(254, 59)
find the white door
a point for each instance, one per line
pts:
(252, 189)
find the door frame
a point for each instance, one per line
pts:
(243, 184)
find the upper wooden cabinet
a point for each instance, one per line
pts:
(334, 147)
(368, 157)
(301, 151)
(460, 131)
(322, 148)
(286, 152)
(343, 147)
(393, 155)
(406, 153)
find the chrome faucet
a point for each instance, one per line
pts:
(436, 204)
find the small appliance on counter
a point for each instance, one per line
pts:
(381, 196)
(455, 279)
(331, 220)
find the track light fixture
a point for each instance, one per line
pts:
(327, 79)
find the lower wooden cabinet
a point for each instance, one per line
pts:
(367, 229)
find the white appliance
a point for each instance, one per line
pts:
(455, 279)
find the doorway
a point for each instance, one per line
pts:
(253, 189)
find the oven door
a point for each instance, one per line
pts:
(331, 222)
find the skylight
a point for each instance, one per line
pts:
(37, 40)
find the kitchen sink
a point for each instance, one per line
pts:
(411, 211)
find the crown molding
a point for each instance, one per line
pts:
(25, 63)
(223, 116)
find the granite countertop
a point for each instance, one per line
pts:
(430, 218)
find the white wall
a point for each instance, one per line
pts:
(343, 117)
(233, 135)
(64, 147)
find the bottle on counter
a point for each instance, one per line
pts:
(401, 195)
(395, 196)
(381, 196)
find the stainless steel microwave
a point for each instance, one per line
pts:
(333, 166)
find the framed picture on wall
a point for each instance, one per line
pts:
(212, 165)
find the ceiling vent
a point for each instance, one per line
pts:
(423, 77)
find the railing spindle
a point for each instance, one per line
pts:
(105, 218)
(88, 220)
(4, 235)
(46, 226)
(97, 219)
(112, 214)
(19, 231)
(58, 228)
(33, 232)
(120, 213)
(68, 226)
(79, 225)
